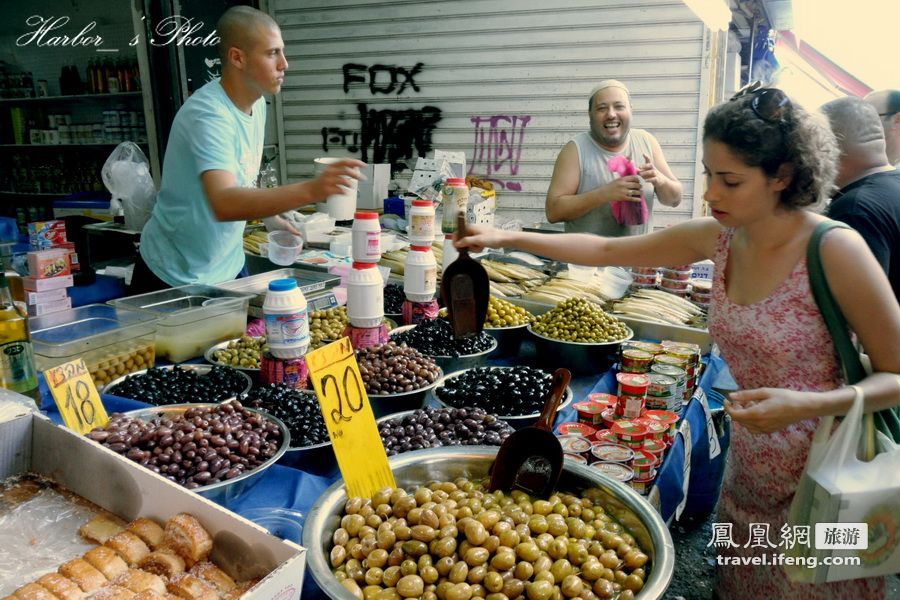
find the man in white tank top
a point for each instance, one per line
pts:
(583, 187)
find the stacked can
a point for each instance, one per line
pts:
(643, 277)
(674, 401)
(690, 353)
(632, 396)
(676, 280)
(701, 292)
(662, 392)
(634, 360)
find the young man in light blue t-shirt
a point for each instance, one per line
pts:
(212, 160)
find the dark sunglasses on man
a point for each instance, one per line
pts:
(769, 104)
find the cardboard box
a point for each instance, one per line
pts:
(44, 297)
(47, 234)
(33, 284)
(52, 262)
(45, 308)
(32, 443)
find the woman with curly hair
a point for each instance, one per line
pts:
(765, 160)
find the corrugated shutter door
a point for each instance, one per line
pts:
(505, 82)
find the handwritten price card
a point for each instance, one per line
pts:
(76, 396)
(349, 418)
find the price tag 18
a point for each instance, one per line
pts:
(349, 418)
(76, 396)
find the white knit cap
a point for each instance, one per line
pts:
(607, 83)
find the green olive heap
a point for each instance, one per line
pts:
(244, 352)
(327, 325)
(455, 541)
(579, 320)
(503, 313)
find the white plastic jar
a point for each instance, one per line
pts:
(287, 320)
(366, 237)
(365, 296)
(450, 252)
(420, 277)
(420, 229)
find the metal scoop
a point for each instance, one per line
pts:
(465, 290)
(531, 459)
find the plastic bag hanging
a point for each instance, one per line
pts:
(126, 174)
(627, 212)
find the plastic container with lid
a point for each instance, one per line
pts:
(455, 198)
(366, 237)
(420, 277)
(421, 222)
(287, 321)
(191, 318)
(113, 341)
(365, 295)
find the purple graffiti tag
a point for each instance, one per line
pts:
(498, 145)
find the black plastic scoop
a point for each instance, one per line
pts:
(531, 459)
(465, 290)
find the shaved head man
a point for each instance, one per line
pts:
(583, 188)
(212, 162)
(869, 196)
(887, 104)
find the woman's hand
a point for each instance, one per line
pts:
(479, 237)
(766, 410)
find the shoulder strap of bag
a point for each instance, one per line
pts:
(831, 312)
(886, 421)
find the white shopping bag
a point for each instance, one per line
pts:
(839, 488)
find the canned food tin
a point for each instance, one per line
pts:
(678, 274)
(674, 285)
(659, 402)
(609, 417)
(676, 373)
(576, 458)
(644, 279)
(630, 433)
(605, 436)
(661, 385)
(292, 372)
(642, 486)
(643, 464)
(668, 359)
(616, 453)
(575, 444)
(648, 347)
(633, 383)
(606, 400)
(668, 417)
(636, 361)
(570, 428)
(589, 413)
(656, 430)
(655, 446)
(616, 471)
(630, 406)
(644, 270)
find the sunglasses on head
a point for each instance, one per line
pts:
(769, 104)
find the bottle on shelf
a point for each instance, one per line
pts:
(75, 81)
(17, 371)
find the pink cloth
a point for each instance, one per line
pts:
(625, 212)
(780, 342)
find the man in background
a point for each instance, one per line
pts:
(869, 196)
(887, 103)
(583, 187)
(212, 162)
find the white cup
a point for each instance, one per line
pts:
(284, 247)
(339, 207)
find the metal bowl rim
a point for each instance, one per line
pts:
(507, 328)
(181, 408)
(336, 494)
(425, 389)
(208, 355)
(584, 344)
(203, 368)
(566, 401)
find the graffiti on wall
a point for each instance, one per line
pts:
(498, 148)
(385, 135)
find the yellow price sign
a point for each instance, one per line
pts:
(349, 418)
(76, 396)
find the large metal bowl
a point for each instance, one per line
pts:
(581, 358)
(223, 491)
(516, 421)
(446, 464)
(509, 339)
(389, 404)
(199, 369)
(210, 356)
(455, 363)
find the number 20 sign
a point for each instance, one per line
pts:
(349, 418)
(76, 396)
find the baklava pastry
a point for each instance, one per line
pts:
(193, 588)
(81, 572)
(213, 575)
(130, 547)
(62, 587)
(33, 591)
(188, 538)
(149, 531)
(101, 528)
(163, 562)
(138, 581)
(113, 592)
(106, 561)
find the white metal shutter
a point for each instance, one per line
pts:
(505, 82)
